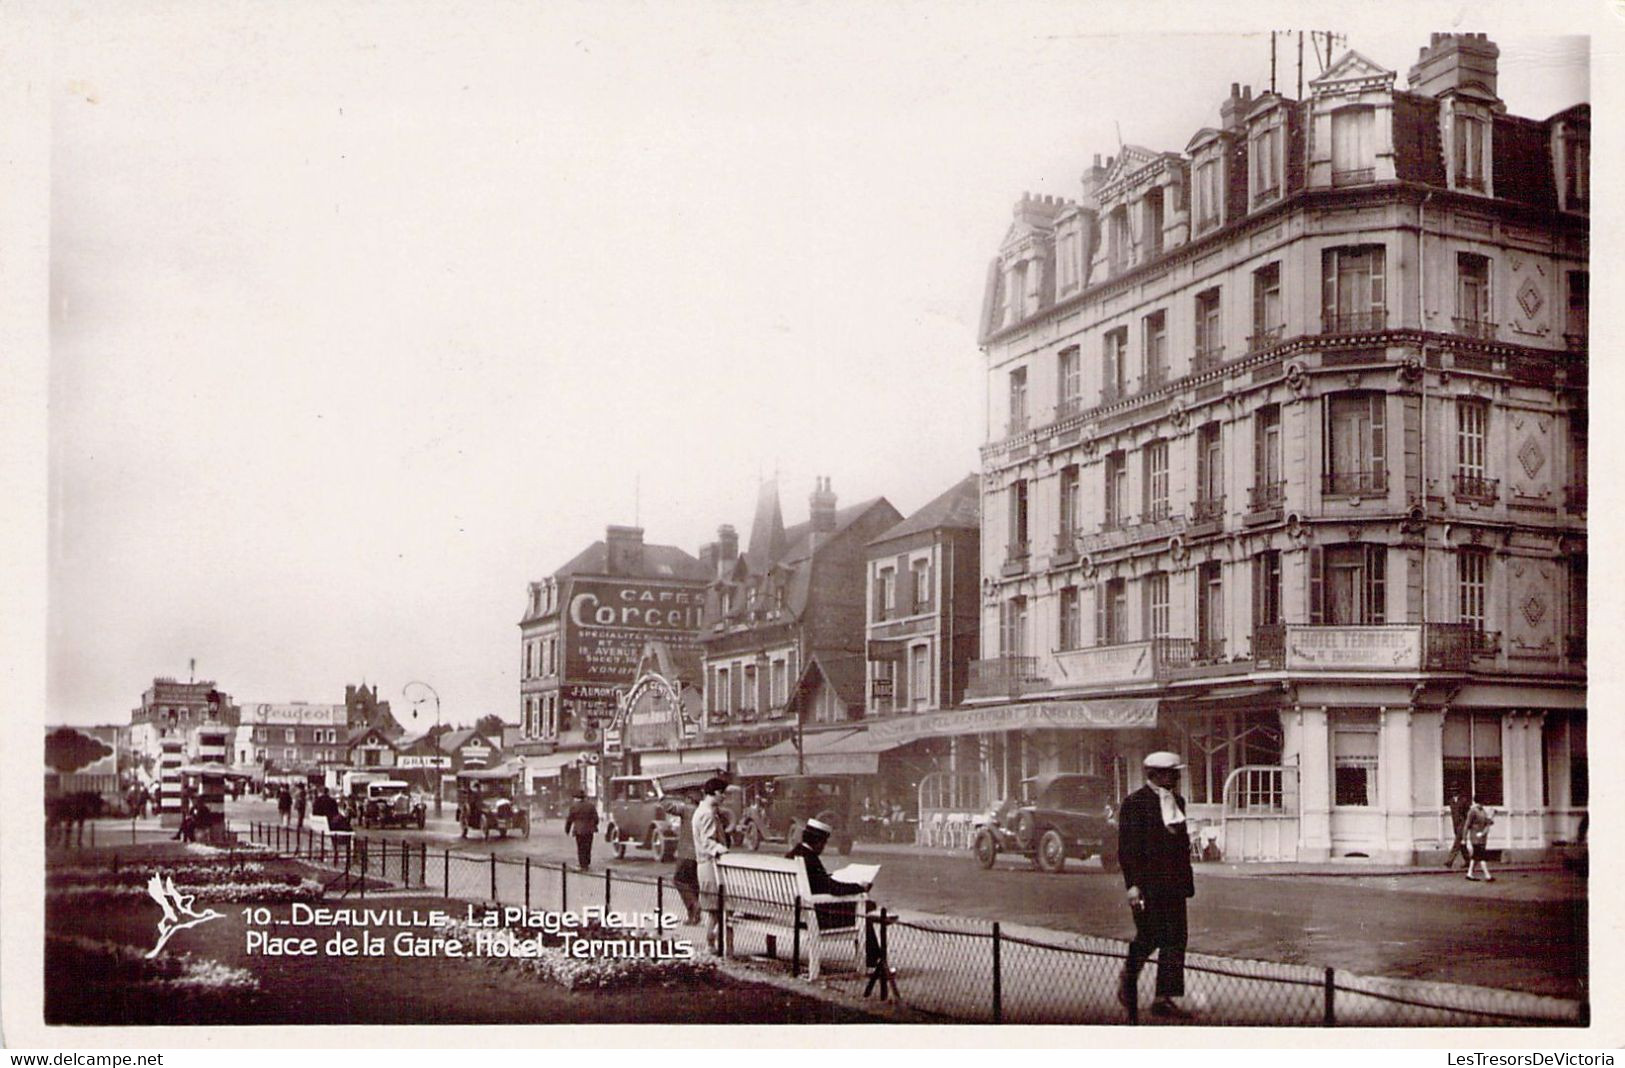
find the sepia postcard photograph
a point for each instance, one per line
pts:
(894, 516)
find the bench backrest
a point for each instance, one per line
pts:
(763, 881)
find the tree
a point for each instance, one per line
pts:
(491, 726)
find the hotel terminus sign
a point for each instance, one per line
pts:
(1371, 648)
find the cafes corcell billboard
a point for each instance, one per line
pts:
(609, 620)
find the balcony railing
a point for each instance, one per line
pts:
(1474, 182)
(1154, 378)
(1155, 512)
(1354, 176)
(1355, 484)
(1114, 522)
(1068, 407)
(1005, 676)
(1207, 358)
(1263, 337)
(1207, 651)
(1111, 393)
(1484, 642)
(1476, 488)
(1207, 509)
(1574, 498)
(1266, 496)
(1355, 322)
(1482, 329)
(1017, 425)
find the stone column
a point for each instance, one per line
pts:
(1314, 780)
(1399, 835)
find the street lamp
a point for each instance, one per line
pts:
(436, 756)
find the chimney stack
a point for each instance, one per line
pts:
(821, 507)
(624, 547)
(1455, 61)
(727, 544)
(1233, 111)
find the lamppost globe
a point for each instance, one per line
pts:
(435, 757)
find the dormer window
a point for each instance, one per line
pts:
(1119, 241)
(1208, 194)
(1574, 164)
(1471, 152)
(1268, 159)
(1353, 146)
(1016, 299)
(1153, 221)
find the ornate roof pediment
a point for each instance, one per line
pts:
(1352, 73)
(1203, 137)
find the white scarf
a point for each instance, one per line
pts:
(1171, 816)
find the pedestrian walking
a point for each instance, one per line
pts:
(284, 803)
(710, 842)
(1458, 821)
(1154, 848)
(1478, 840)
(687, 876)
(300, 800)
(582, 823)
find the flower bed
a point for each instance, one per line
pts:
(644, 964)
(191, 874)
(173, 974)
(264, 892)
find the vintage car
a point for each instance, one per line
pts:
(1059, 816)
(486, 802)
(391, 803)
(783, 805)
(635, 814)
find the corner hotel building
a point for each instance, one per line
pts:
(1285, 468)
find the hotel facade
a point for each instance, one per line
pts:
(1286, 468)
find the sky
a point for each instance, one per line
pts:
(362, 317)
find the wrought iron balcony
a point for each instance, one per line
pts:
(1355, 484)
(1207, 358)
(1355, 322)
(1482, 329)
(1354, 176)
(1208, 509)
(1266, 496)
(1207, 651)
(1474, 182)
(1005, 676)
(1476, 488)
(1485, 643)
(1155, 512)
(1263, 337)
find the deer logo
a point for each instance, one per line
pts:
(178, 911)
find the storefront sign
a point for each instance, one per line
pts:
(1335, 648)
(410, 761)
(295, 714)
(1130, 662)
(589, 705)
(1119, 714)
(609, 621)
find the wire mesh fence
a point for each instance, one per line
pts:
(944, 968)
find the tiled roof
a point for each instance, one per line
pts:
(960, 507)
(658, 562)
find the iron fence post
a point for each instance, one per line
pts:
(423, 863)
(564, 886)
(1330, 1018)
(493, 877)
(795, 941)
(998, 977)
(606, 889)
(363, 865)
(406, 865)
(447, 860)
(722, 918)
(660, 899)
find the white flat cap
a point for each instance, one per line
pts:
(1163, 759)
(820, 826)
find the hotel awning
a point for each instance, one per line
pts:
(842, 752)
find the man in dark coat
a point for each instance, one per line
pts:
(582, 822)
(832, 916)
(1458, 822)
(1154, 848)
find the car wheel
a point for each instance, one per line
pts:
(987, 850)
(620, 849)
(752, 838)
(1051, 851)
(794, 835)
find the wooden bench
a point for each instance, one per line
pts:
(760, 893)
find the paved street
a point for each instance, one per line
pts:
(1526, 931)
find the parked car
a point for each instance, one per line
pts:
(1059, 816)
(635, 812)
(486, 803)
(391, 803)
(783, 806)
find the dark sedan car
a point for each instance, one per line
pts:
(1060, 816)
